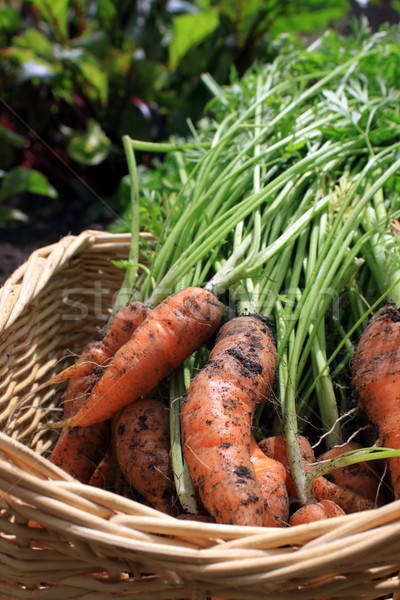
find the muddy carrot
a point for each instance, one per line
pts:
(142, 445)
(79, 450)
(172, 331)
(271, 475)
(322, 488)
(98, 353)
(318, 511)
(362, 478)
(376, 379)
(216, 420)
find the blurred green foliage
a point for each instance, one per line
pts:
(76, 75)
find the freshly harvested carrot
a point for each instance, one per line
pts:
(101, 476)
(79, 450)
(323, 489)
(363, 478)
(275, 447)
(97, 353)
(124, 323)
(172, 331)
(376, 379)
(271, 475)
(121, 486)
(142, 447)
(347, 499)
(216, 420)
(318, 511)
(77, 393)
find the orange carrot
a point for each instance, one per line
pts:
(363, 478)
(376, 379)
(171, 333)
(124, 323)
(318, 511)
(142, 447)
(349, 501)
(101, 476)
(79, 450)
(77, 393)
(216, 420)
(271, 475)
(323, 489)
(275, 447)
(98, 353)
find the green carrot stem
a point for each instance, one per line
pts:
(183, 483)
(126, 291)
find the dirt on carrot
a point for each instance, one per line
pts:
(363, 478)
(323, 489)
(376, 379)
(142, 448)
(318, 511)
(171, 333)
(95, 355)
(216, 420)
(271, 475)
(79, 450)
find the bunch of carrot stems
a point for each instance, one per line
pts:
(280, 214)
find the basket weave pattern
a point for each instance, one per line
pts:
(93, 543)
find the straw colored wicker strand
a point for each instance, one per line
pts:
(93, 543)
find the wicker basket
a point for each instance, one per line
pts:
(94, 543)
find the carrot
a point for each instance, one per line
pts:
(271, 475)
(376, 379)
(275, 447)
(318, 511)
(121, 486)
(323, 489)
(216, 420)
(362, 478)
(79, 450)
(124, 323)
(171, 333)
(77, 393)
(142, 448)
(101, 476)
(349, 501)
(96, 354)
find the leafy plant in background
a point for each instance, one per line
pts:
(76, 76)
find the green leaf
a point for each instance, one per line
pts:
(94, 81)
(55, 13)
(11, 137)
(10, 21)
(32, 39)
(91, 147)
(303, 18)
(106, 11)
(121, 264)
(188, 31)
(20, 180)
